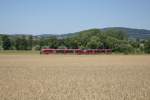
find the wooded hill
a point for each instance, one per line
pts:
(121, 40)
(131, 32)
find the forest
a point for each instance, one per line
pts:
(117, 40)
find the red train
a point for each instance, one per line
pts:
(75, 51)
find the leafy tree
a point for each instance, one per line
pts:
(147, 46)
(124, 47)
(94, 43)
(71, 43)
(6, 43)
(24, 44)
(41, 43)
(121, 35)
(84, 36)
(30, 42)
(135, 44)
(111, 42)
(21, 43)
(17, 43)
(1, 42)
(53, 42)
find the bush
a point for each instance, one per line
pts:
(124, 48)
(1, 48)
(37, 47)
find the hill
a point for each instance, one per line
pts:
(132, 32)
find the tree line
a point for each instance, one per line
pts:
(116, 40)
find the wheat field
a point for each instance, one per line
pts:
(74, 77)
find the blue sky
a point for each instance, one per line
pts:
(66, 16)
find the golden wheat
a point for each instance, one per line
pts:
(74, 77)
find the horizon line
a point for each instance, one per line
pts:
(1, 33)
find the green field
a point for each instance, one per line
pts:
(17, 52)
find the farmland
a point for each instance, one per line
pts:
(74, 77)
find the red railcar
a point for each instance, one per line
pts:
(75, 51)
